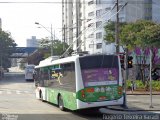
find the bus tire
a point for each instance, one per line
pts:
(60, 103)
(41, 96)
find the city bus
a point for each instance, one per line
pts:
(29, 70)
(80, 82)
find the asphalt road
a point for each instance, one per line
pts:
(17, 101)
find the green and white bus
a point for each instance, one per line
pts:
(80, 82)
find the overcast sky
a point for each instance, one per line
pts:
(19, 18)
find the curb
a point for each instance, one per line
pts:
(142, 94)
(131, 109)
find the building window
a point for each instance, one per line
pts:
(91, 36)
(98, 12)
(98, 1)
(108, 8)
(99, 35)
(80, 15)
(98, 24)
(91, 45)
(121, 19)
(80, 23)
(90, 14)
(98, 45)
(90, 2)
(90, 25)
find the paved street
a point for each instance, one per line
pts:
(18, 98)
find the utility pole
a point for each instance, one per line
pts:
(125, 79)
(64, 29)
(77, 25)
(1, 70)
(52, 41)
(117, 28)
(150, 76)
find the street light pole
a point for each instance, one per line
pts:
(51, 36)
(117, 28)
(51, 41)
(1, 67)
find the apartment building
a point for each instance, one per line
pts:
(156, 10)
(33, 42)
(85, 20)
(0, 23)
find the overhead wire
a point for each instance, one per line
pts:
(105, 21)
(57, 2)
(84, 30)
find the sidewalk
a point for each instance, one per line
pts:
(142, 93)
(141, 103)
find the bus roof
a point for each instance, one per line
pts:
(50, 61)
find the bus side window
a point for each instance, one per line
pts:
(68, 72)
(36, 77)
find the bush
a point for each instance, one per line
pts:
(128, 84)
(140, 85)
(156, 85)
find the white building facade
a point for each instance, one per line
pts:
(0, 23)
(87, 19)
(33, 42)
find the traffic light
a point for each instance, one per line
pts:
(130, 58)
(122, 60)
(154, 74)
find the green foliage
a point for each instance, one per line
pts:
(141, 86)
(7, 46)
(150, 36)
(141, 33)
(128, 84)
(44, 43)
(156, 85)
(110, 31)
(58, 47)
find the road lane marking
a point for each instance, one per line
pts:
(9, 92)
(18, 92)
(26, 92)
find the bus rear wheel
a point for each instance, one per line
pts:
(41, 96)
(60, 103)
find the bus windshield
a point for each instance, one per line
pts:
(99, 70)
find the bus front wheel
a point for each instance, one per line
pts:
(60, 103)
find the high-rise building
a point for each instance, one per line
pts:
(155, 10)
(67, 21)
(0, 23)
(33, 42)
(84, 20)
(138, 9)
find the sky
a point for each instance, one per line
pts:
(19, 19)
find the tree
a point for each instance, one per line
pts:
(7, 45)
(142, 33)
(58, 47)
(150, 37)
(129, 33)
(132, 36)
(110, 31)
(44, 51)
